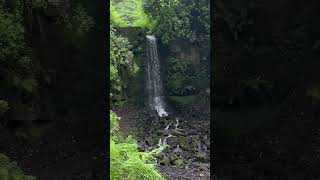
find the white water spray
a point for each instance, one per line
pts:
(154, 85)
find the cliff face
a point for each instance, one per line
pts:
(184, 68)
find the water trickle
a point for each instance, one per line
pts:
(177, 123)
(154, 84)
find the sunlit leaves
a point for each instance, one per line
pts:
(130, 13)
(126, 162)
(180, 19)
(121, 59)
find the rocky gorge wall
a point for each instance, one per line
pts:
(184, 69)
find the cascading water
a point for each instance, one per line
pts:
(154, 85)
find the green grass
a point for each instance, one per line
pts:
(130, 13)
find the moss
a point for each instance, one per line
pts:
(179, 162)
(182, 100)
(184, 142)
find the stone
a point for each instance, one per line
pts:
(179, 162)
(202, 156)
(204, 166)
(174, 157)
(165, 161)
(172, 141)
(184, 142)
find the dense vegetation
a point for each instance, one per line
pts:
(22, 73)
(33, 35)
(126, 162)
(179, 23)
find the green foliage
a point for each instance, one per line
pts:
(130, 13)
(14, 53)
(121, 60)
(4, 107)
(10, 170)
(180, 74)
(114, 126)
(39, 3)
(20, 71)
(180, 18)
(126, 162)
(11, 36)
(78, 20)
(182, 100)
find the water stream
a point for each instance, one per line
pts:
(164, 141)
(154, 84)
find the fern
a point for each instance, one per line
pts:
(126, 161)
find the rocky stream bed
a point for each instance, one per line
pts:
(187, 132)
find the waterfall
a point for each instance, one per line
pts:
(154, 85)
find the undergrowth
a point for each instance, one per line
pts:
(126, 162)
(10, 170)
(130, 13)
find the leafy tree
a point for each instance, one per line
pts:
(121, 60)
(184, 19)
(180, 74)
(130, 13)
(78, 20)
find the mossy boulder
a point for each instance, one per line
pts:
(165, 161)
(179, 162)
(184, 142)
(181, 101)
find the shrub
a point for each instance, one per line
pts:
(130, 13)
(126, 162)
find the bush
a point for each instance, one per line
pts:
(130, 13)
(121, 60)
(180, 74)
(183, 19)
(126, 162)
